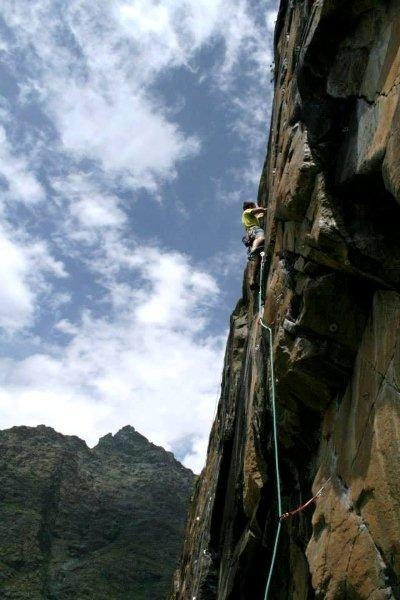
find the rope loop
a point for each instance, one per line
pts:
(300, 508)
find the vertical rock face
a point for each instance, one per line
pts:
(88, 524)
(331, 294)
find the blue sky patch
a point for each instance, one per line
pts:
(130, 133)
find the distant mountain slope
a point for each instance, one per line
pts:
(88, 524)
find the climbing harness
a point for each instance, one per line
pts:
(300, 508)
(274, 424)
(247, 240)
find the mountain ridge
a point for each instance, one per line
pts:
(80, 522)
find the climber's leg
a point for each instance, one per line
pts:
(258, 241)
(258, 237)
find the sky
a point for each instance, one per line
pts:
(130, 133)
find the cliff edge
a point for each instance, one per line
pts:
(331, 295)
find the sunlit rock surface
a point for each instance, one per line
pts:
(79, 524)
(331, 294)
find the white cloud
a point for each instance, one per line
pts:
(22, 185)
(99, 87)
(40, 260)
(175, 290)
(94, 222)
(88, 206)
(150, 362)
(271, 17)
(24, 266)
(67, 327)
(171, 33)
(68, 413)
(97, 96)
(16, 297)
(97, 212)
(123, 131)
(195, 460)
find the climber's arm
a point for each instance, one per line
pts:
(259, 210)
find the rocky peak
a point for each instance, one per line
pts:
(134, 446)
(82, 523)
(41, 432)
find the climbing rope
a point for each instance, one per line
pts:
(274, 424)
(282, 516)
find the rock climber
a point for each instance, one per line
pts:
(254, 233)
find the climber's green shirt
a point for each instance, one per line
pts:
(249, 220)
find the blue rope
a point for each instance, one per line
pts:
(274, 425)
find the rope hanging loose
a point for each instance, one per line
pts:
(300, 508)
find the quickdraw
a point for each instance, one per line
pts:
(300, 508)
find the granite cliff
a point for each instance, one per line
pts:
(79, 524)
(331, 294)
